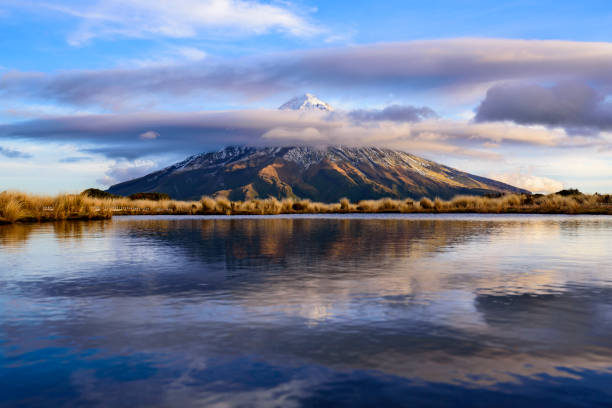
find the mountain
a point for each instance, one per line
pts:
(306, 102)
(321, 174)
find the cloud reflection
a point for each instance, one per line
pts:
(302, 303)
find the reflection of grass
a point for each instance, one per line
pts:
(15, 206)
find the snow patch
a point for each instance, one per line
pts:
(306, 102)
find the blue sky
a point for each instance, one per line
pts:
(35, 37)
(521, 90)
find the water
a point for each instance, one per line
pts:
(409, 310)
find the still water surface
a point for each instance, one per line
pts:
(409, 310)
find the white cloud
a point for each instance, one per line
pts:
(149, 135)
(191, 53)
(123, 170)
(164, 58)
(530, 182)
(181, 18)
(309, 134)
(50, 173)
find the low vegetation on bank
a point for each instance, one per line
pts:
(21, 207)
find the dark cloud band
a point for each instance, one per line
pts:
(575, 106)
(396, 67)
(395, 113)
(119, 136)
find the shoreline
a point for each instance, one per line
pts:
(18, 207)
(84, 208)
(4, 222)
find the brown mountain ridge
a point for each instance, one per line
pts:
(321, 174)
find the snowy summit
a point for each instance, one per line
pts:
(306, 102)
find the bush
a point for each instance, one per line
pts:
(153, 196)
(345, 204)
(439, 205)
(388, 205)
(272, 206)
(426, 203)
(223, 205)
(208, 204)
(97, 193)
(569, 192)
(301, 206)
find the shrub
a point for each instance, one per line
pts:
(271, 206)
(407, 206)
(366, 205)
(438, 204)
(287, 205)
(153, 196)
(208, 204)
(426, 203)
(223, 205)
(97, 193)
(569, 192)
(387, 205)
(301, 206)
(345, 204)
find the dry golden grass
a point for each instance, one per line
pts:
(17, 206)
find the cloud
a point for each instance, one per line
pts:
(191, 53)
(401, 68)
(575, 106)
(14, 154)
(75, 159)
(179, 18)
(307, 135)
(119, 136)
(395, 113)
(123, 170)
(164, 57)
(149, 135)
(529, 182)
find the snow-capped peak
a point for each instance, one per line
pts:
(306, 102)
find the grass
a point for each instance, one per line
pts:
(21, 207)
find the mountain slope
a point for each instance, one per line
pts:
(325, 174)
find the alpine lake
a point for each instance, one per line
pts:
(311, 310)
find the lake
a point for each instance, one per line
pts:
(358, 310)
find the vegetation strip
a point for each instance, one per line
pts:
(21, 207)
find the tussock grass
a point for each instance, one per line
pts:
(17, 206)
(21, 207)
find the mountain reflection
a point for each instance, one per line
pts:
(172, 257)
(473, 302)
(243, 243)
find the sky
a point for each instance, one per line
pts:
(98, 92)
